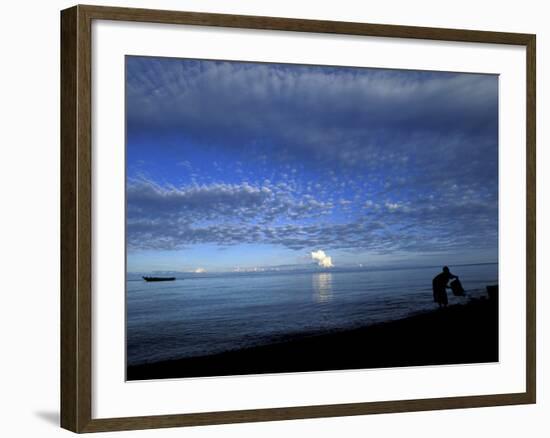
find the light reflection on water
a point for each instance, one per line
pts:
(322, 287)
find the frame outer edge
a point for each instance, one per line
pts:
(76, 220)
(69, 343)
(76, 250)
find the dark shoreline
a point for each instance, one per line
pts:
(459, 334)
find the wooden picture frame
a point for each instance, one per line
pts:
(76, 217)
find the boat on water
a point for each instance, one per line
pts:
(159, 278)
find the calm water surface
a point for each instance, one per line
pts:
(210, 313)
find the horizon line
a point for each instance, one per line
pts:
(313, 268)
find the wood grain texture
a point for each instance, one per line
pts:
(84, 217)
(76, 218)
(69, 329)
(300, 25)
(303, 412)
(531, 250)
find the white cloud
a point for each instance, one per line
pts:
(393, 206)
(401, 206)
(322, 259)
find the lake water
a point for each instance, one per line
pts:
(209, 313)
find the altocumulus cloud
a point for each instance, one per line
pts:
(315, 157)
(172, 218)
(195, 203)
(358, 117)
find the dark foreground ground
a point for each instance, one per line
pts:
(459, 334)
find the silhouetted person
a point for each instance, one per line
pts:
(439, 284)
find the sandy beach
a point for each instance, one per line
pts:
(458, 334)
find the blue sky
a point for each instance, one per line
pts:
(235, 165)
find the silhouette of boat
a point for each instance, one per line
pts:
(159, 278)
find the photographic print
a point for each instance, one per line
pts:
(297, 218)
